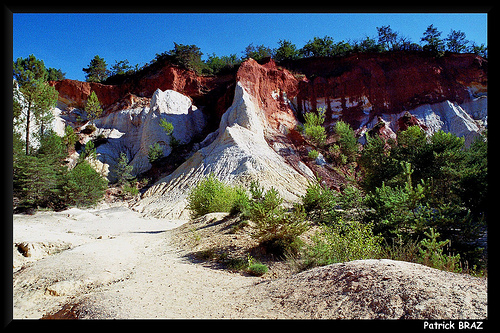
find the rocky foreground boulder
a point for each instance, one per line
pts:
(380, 289)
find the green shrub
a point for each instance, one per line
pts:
(313, 154)
(402, 251)
(37, 182)
(321, 203)
(70, 137)
(211, 195)
(377, 164)
(342, 242)
(93, 109)
(257, 269)
(84, 186)
(155, 153)
(276, 229)
(241, 203)
(313, 128)
(397, 210)
(348, 142)
(41, 180)
(167, 126)
(123, 171)
(431, 253)
(130, 189)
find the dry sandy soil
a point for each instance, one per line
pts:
(114, 263)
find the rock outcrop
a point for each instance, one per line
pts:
(133, 131)
(380, 289)
(350, 88)
(238, 154)
(252, 114)
(130, 93)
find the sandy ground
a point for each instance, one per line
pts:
(114, 263)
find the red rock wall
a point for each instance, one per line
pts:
(75, 93)
(390, 82)
(264, 81)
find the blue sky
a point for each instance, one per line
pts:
(70, 41)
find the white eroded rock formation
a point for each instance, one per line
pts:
(465, 120)
(133, 131)
(238, 154)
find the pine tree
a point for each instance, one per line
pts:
(93, 107)
(456, 41)
(123, 170)
(97, 70)
(38, 97)
(434, 44)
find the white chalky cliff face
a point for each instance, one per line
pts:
(133, 131)
(465, 120)
(238, 155)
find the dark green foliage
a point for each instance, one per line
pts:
(84, 186)
(456, 42)
(93, 107)
(412, 184)
(38, 178)
(439, 184)
(286, 51)
(367, 45)
(347, 141)
(55, 74)
(121, 68)
(377, 163)
(155, 153)
(169, 130)
(397, 210)
(433, 43)
(70, 137)
(431, 253)
(472, 185)
(97, 70)
(258, 52)
(188, 56)
(441, 157)
(39, 97)
(387, 37)
(27, 70)
(480, 50)
(276, 229)
(123, 171)
(321, 204)
(42, 180)
(221, 65)
(88, 152)
(318, 47)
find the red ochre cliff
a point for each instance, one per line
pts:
(391, 82)
(351, 88)
(114, 97)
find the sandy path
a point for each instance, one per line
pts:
(117, 264)
(114, 263)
